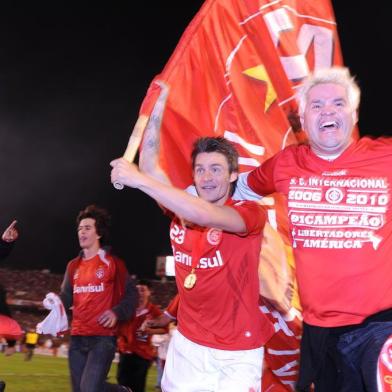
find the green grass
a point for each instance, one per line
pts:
(46, 374)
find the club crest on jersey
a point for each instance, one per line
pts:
(386, 354)
(214, 236)
(100, 273)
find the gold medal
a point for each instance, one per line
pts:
(190, 280)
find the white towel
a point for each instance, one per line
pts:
(56, 322)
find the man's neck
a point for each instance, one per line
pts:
(142, 305)
(330, 155)
(222, 201)
(89, 253)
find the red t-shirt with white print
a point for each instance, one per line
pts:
(340, 221)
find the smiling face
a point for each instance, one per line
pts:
(87, 234)
(328, 119)
(212, 177)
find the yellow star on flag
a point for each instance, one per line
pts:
(259, 73)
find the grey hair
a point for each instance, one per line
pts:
(336, 75)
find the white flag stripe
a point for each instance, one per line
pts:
(283, 352)
(248, 161)
(253, 148)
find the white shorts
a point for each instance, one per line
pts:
(191, 367)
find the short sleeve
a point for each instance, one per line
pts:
(253, 214)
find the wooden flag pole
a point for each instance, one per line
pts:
(134, 142)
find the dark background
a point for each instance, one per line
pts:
(72, 79)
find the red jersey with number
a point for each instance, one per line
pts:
(341, 227)
(221, 310)
(93, 290)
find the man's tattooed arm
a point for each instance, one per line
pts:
(149, 154)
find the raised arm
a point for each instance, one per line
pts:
(149, 153)
(188, 207)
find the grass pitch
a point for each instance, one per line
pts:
(46, 374)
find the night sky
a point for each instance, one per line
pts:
(72, 79)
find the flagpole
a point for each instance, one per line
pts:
(134, 142)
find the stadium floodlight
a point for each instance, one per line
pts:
(165, 266)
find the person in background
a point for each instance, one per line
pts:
(134, 342)
(339, 200)
(98, 288)
(8, 238)
(30, 341)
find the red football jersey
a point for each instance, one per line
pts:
(131, 337)
(93, 285)
(221, 310)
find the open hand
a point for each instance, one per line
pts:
(107, 319)
(11, 233)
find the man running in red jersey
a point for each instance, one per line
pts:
(98, 287)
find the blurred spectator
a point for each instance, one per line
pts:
(31, 340)
(10, 235)
(134, 342)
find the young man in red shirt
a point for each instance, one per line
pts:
(98, 287)
(338, 194)
(218, 345)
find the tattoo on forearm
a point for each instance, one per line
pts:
(151, 142)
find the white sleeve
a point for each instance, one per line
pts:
(242, 190)
(191, 189)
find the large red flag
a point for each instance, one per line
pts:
(234, 73)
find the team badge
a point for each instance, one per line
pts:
(384, 368)
(386, 354)
(214, 236)
(100, 273)
(334, 195)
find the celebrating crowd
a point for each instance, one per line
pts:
(338, 194)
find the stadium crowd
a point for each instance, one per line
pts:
(26, 305)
